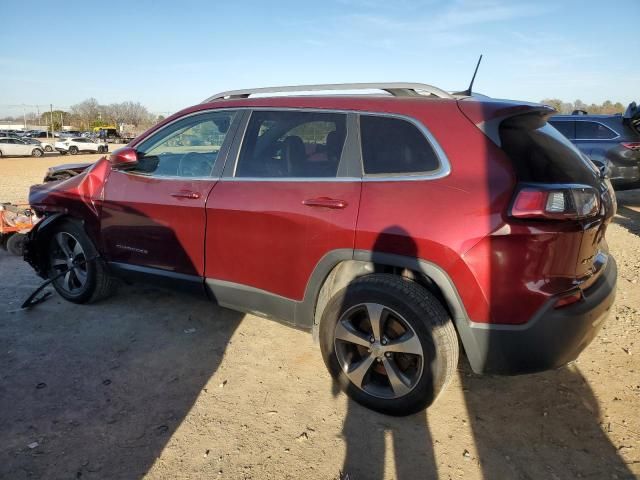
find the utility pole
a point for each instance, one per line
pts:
(24, 116)
(51, 110)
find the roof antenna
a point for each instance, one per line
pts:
(467, 92)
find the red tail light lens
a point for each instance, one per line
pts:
(631, 145)
(548, 202)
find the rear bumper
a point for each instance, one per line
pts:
(554, 337)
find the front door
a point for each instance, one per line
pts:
(153, 216)
(285, 204)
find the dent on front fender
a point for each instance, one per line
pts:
(78, 196)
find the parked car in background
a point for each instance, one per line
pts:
(393, 226)
(70, 133)
(9, 134)
(10, 146)
(39, 134)
(47, 147)
(75, 145)
(612, 142)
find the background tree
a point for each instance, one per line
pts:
(86, 112)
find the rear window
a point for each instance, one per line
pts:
(394, 146)
(593, 131)
(541, 154)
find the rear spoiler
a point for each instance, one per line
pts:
(488, 115)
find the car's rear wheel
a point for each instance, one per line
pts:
(73, 150)
(48, 148)
(72, 258)
(389, 343)
(37, 152)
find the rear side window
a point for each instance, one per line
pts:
(394, 146)
(541, 154)
(593, 131)
(284, 144)
(568, 129)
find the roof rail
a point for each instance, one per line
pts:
(397, 89)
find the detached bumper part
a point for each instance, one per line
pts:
(553, 338)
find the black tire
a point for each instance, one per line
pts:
(97, 284)
(426, 319)
(15, 244)
(3, 241)
(73, 150)
(37, 152)
(48, 148)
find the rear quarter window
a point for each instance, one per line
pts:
(394, 146)
(593, 131)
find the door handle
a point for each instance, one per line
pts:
(186, 194)
(325, 202)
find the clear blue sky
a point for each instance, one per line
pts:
(171, 54)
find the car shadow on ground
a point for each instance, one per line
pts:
(111, 382)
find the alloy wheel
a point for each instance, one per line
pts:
(67, 254)
(378, 350)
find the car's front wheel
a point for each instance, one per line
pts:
(37, 152)
(80, 276)
(389, 343)
(48, 148)
(73, 150)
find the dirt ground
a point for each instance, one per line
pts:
(158, 384)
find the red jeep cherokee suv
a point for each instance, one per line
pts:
(394, 226)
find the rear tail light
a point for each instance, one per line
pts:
(556, 202)
(631, 145)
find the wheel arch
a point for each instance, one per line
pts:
(330, 277)
(36, 240)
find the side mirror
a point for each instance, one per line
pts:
(125, 157)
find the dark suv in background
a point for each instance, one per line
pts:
(612, 142)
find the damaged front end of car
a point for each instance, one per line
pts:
(79, 197)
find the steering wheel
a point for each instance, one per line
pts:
(194, 164)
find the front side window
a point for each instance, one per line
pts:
(394, 146)
(187, 148)
(288, 144)
(593, 131)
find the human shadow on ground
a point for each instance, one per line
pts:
(544, 425)
(369, 435)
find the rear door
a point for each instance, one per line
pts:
(288, 200)
(153, 216)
